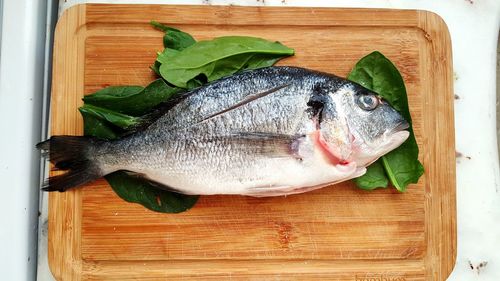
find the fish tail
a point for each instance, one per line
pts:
(72, 154)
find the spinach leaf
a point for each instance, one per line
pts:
(113, 91)
(136, 190)
(156, 67)
(166, 55)
(260, 61)
(133, 100)
(374, 177)
(174, 38)
(401, 165)
(120, 120)
(112, 121)
(96, 126)
(221, 57)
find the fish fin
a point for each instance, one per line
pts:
(273, 191)
(269, 191)
(249, 98)
(280, 145)
(69, 153)
(158, 111)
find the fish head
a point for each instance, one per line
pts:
(367, 125)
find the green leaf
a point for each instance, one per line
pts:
(156, 67)
(194, 83)
(98, 127)
(132, 100)
(166, 55)
(120, 120)
(221, 57)
(374, 177)
(174, 38)
(114, 92)
(261, 60)
(401, 165)
(136, 190)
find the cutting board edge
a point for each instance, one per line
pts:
(64, 239)
(434, 27)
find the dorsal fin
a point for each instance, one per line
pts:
(247, 99)
(157, 112)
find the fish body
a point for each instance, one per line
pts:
(265, 132)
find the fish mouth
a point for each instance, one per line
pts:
(403, 125)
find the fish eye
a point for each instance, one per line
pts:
(367, 102)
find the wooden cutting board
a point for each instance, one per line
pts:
(336, 233)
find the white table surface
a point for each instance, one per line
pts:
(474, 27)
(23, 50)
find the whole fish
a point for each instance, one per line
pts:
(266, 132)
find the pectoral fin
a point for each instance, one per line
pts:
(272, 145)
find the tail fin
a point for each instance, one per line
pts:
(69, 153)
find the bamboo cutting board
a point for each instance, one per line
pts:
(335, 233)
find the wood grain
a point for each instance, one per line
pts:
(336, 233)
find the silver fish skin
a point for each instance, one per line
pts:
(265, 132)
